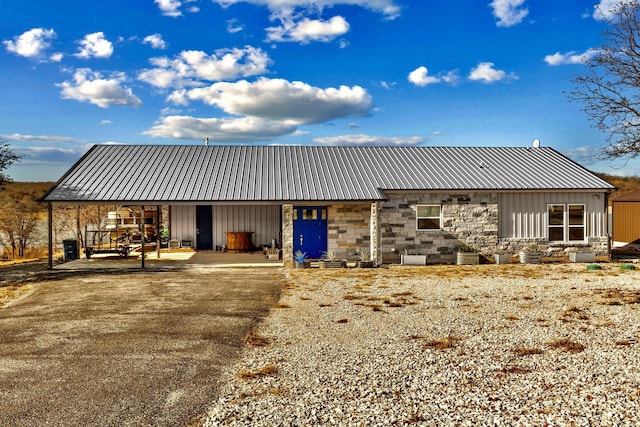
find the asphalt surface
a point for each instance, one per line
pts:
(136, 348)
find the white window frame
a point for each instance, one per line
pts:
(566, 226)
(439, 217)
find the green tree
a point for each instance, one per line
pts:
(609, 89)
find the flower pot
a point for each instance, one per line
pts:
(582, 257)
(467, 258)
(302, 264)
(530, 257)
(332, 264)
(501, 258)
(413, 259)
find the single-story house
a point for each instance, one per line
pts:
(389, 200)
(625, 211)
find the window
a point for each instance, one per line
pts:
(428, 217)
(566, 223)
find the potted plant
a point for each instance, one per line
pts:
(329, 261)
(467, 254)
(365, 259)
(531, 254)
(300, 260)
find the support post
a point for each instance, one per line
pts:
(142, 233)
(50, 234)
(158, 237)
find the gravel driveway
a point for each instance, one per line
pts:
(136, 348)
(488, 345)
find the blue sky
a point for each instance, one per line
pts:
(329, 72)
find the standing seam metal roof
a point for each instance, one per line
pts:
(189, 173)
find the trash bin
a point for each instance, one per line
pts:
(70, 249)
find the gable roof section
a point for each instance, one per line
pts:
(189, 173)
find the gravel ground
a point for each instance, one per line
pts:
(552, 344)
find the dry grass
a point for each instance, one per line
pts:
(567, 345)
(617, 296)
(281, 305)
(441, 343)
(527, 351)
(267, 370)
(254, 339)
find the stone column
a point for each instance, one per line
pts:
(375, 234)
(287, 234)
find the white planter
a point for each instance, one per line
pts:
(467, 258)
(501, 258)
(582, 257)
(530, 257)
(414, 260)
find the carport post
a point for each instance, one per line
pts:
(142, 232)
(50, 234)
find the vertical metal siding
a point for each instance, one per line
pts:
(524, 215)
(263, 221)
(625, 221)
(183, 222)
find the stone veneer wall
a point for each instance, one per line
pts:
(471, 218)
(348, 228)
(287, 233)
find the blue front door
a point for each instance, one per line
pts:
(310, 230)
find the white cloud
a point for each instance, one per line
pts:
(420, 77)
(95, 46)
(281, 100)
(155, 40)
(509, 12)
(585, 155)
(369, 140)
(570, 57)
(88, 86)
(56, 57)
(388, 85)
(192, 66)
(169, 7)
(220, 129)
(17, 137)
(307, 30)
(105, 122)
(32, 43)
(485, 73)
(387, 7)
(606, 8)
(233, 26)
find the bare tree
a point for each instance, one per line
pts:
(7, 158)
(18, 223)
(610, 88)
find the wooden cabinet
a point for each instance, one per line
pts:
(239, 241)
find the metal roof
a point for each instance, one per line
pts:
(190, 173)
(633, 196)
